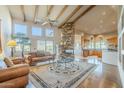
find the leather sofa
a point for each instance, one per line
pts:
(18, 60)
(35, 57)
(15, 76)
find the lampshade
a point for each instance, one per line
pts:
(11, 43)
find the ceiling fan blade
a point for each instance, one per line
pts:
(44, 23)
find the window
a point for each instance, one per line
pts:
(99, 44)
(18, 46)
(19, 28)
(27, 48)
(49, 46)
(41, 45)
(91, 43)
(49, 32)
(36, 31)
(103, 44)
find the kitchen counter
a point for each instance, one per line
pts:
(109, 57)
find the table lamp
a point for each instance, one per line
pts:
(11, 44)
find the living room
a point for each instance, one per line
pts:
(61, 46)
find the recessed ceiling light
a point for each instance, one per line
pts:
(103, 13)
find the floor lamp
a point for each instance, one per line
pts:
(11, 44)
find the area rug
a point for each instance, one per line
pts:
(45, 78)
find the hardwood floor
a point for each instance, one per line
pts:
(104, 76)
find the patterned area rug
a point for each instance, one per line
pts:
(42, 76)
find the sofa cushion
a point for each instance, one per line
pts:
(38, 59)
(45, 58)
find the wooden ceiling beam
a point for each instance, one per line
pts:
(35, 12)
(50, 9)
(9, 12)
(83, 13)
(71, 15)
(23, 12)
(62, 11)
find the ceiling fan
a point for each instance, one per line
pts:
(47, 20)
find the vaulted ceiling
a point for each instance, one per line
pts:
(89, 19)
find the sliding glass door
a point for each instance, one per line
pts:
(46, 46)
(49, 46)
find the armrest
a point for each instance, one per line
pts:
(14, 72)
(29, 59)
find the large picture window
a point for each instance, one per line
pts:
(45, 46)
(27, 48)
(21, 29)
(36, 31)
(41, 45)
(18, 46)
(49, 46)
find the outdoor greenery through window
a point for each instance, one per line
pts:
(49, 46)
(46, 46)
(41, 45)
(27, 47)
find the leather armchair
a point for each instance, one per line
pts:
(14, 77)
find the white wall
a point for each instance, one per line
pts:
(5, 29)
